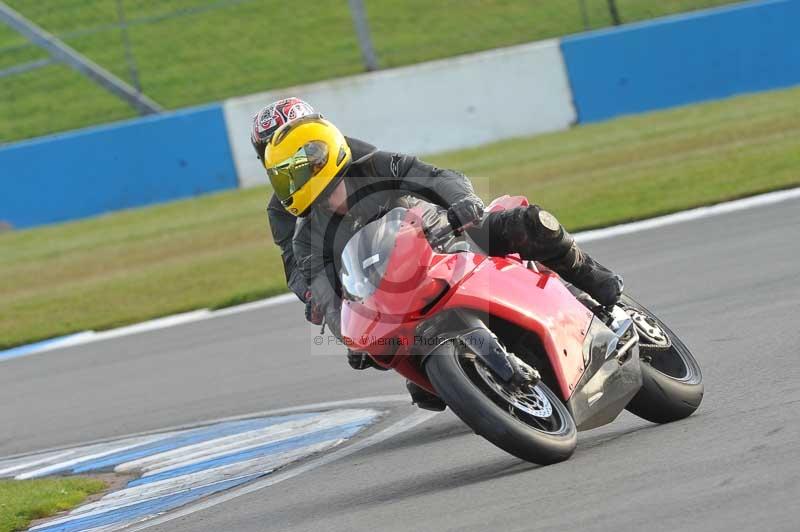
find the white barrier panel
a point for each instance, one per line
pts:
(430, 107)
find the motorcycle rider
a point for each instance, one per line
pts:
(281, 223)
(335, 185)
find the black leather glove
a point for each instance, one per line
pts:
(359, 360)
(314, 313)
(464, 212)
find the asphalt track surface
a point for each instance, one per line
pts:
(729, 285)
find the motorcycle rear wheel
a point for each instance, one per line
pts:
(534, 426)
(672, 383)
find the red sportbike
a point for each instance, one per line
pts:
(520, 356)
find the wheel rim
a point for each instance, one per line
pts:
(535, 407)
(650, 332)
(657, 350)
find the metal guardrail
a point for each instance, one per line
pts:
(59, 51)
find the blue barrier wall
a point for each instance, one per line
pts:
(684, 59)
(108, 168)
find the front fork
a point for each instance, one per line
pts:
(474, 336)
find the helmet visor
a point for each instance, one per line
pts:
(287, 177)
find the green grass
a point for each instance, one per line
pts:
(196, 51)
(216, 250)
(22, 501)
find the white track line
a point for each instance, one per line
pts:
(91, 452)
(770, 198)
(86, 337)
(23, 463)
(224, 463)
(209, 476)
(168, 431)
(213, 448)
(401, 426)
(338, 426)
(226, 471)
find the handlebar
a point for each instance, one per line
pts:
(442, 236)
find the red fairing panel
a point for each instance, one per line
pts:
(363, 331)
(507, 202)
(534, 301)
(413, 278)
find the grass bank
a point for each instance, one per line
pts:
(187, 52)
(22, 501)
(216, 250)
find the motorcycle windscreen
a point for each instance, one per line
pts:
(366, 255)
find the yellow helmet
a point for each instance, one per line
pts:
(303, 159)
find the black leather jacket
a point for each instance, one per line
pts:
(376, 182)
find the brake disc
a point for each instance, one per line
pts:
(530, 400)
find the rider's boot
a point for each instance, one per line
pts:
(537, 235)
(424, 399)
(581, 270)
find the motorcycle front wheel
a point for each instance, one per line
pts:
(533, 424)
(672, 384)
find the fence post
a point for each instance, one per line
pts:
(126, 43)
(584, 14)
(362, 30)
(614, 12)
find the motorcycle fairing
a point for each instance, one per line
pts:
(499, 286)
(610, 381)
(471, 332)
(419, 283)
(534, 301)
(507, 202)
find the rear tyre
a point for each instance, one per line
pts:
(672, 384)
(534, 426)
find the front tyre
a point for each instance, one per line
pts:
(672, 384)
(534, 425)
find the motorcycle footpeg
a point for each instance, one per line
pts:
(424, 399)
(434, 405)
